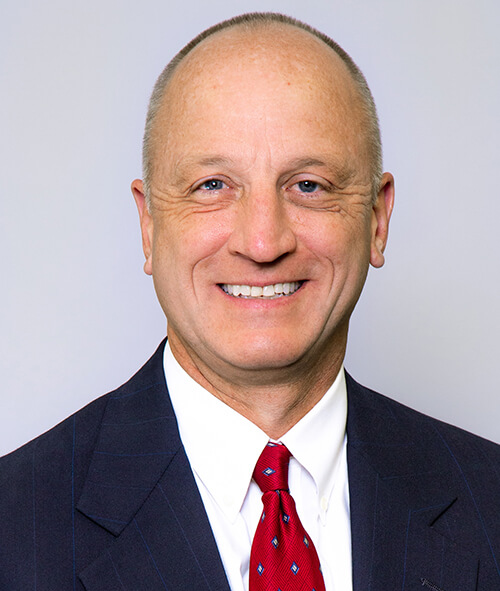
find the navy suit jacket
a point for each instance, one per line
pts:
(106, 501)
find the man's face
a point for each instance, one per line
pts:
(262, 223)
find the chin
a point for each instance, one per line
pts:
(265, 356)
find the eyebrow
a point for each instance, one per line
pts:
(213, 160)
(200, 160)
(185, 164)
(343, 172)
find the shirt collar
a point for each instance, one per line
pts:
(318, 439)
(223, 446)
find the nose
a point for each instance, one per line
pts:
(262, 231)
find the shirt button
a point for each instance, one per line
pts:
(324, 504)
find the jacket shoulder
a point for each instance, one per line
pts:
(40, 485)
(80, 429)
(74, 436)
(435, 444)
(368, 401)
(418, 467)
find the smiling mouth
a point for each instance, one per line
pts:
(275, 290)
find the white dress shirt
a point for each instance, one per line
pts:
(223, 448)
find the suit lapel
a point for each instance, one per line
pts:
(140, 487)
(400, 508)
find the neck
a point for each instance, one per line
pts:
(274, 400)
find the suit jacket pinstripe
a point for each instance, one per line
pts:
(107, 501)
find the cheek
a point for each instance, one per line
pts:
(334, 238)
(343, 250)
(183, 244)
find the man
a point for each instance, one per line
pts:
(262, 206)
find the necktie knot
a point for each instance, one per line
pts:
(271, 470)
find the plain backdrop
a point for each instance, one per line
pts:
(78, 316)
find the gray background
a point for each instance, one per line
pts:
(78, 316)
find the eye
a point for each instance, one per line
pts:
(309, 189)
(212, 185)
(308, 186)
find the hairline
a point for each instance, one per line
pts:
(254, 20)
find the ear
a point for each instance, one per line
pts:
(146, 221)
(381, 214)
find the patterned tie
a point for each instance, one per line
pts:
(283, 557)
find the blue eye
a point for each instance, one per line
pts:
(212, 185)
(308, 186)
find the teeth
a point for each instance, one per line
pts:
(256, 291)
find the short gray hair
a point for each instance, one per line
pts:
(250, 21)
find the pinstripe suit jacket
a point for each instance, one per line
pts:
(106, 501)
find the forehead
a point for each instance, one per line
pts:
(276, 72)
(273, 51)
(289, 48)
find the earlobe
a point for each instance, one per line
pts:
(381, 215)
(146, 221)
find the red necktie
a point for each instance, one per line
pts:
(283, 557)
